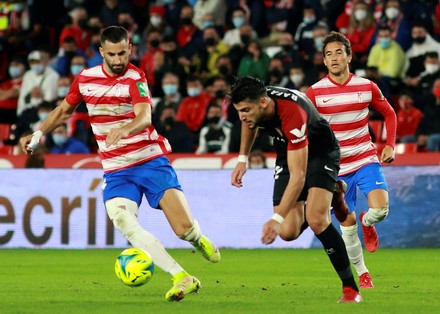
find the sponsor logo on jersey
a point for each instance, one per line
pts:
(299, 133)
(278, 170)
(143, 89)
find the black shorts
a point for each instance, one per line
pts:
(322, 172)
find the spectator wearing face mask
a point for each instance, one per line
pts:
(298, 77)
(42, 112)
(204, 61)
(157, 22)
(215, 7)
(192, 109)
(147, 62)
(40, 75)
(277, 75)
(64, 144)
(257, 160)
(388, 57)
(10, 89)
(77, 64)
(171, 95)
(216, 134)
(189, 37)
(289, 51)
(181, 139)
(63, 63)
(304, 32)
(430, 74)
(360, 30)
(395, 19)
(238, 51)
(415, 56)
(238, 19)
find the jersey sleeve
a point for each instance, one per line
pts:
(311, 95)
(74, 96)
(381, 105)
(294, 127)
(140, 92)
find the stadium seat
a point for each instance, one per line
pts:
(402, 148)
(377, 127)
(5, 131)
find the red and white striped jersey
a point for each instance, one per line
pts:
(345, 107)
(110, 101)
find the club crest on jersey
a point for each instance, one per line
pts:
(299, 133)
(143, 89)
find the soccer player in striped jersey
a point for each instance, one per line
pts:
(306, 168)
(133, 156)
(343, 99)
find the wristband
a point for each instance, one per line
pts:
(35, 140)
(278, 218)
(243, 158)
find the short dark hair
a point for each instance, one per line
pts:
(247, 88)
(114, 34)
(384, 27)
(431, 54)
(336, 37)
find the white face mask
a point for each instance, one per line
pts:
(35, 101)
(431, 68)
(360, 15)
(155, 20)
(296, 79)
(391, 13)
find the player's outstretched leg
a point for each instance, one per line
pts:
(371, 239)
(339, 205)
(355, 253)
(183, 284)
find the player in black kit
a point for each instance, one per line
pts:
(306, 169)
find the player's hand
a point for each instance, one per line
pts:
(114, 136)
(238, 173)
(387, 154)
(271, 229)
(24, 144)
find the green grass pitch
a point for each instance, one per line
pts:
(245, 281)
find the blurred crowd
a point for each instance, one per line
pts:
(191, 51)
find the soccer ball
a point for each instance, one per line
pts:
(134, 267)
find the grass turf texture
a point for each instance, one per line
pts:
(245, 281)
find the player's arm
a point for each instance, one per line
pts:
(141, 121)
(58, 116)
(246, 142)
(297, 164)
(381, 105)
